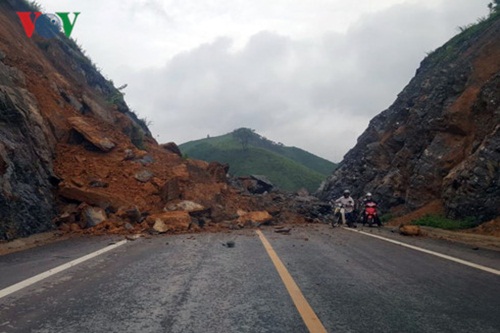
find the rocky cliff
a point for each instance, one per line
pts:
(42, 83)
(440, 140)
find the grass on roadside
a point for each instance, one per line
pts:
(441, 222)
(386, 218)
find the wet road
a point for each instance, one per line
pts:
(192, 283)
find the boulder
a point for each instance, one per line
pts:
(93, 216)
(144, 176)
(409, 230)
(172, 147)
(254, 184)
(258, 217)
(94, 197)
(128, 155)
(263, 182)
(132, 214)
(195, 210)
(170, 221)
(160, 226)
(147, 159)
(91, 134)
(218, 171)
(186, 205)
(170, 190)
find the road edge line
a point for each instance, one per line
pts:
(305, 310)
(37, 278)
(437, 254)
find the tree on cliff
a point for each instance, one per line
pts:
(494, 6)
(243, 136)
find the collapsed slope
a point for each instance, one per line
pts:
(42, 84)
(440, 140)
(73, 156)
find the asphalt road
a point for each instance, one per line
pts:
(192, 283)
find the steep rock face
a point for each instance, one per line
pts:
(440, 138)
(43, 83)
(26, 153)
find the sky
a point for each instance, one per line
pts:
(306, 73)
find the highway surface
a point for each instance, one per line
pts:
(331, 280)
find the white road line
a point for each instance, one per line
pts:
(437, 254)
(37, 278)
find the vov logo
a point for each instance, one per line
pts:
(47, 25)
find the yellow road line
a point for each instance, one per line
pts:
(307, 313)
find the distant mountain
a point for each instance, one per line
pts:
(289, 168)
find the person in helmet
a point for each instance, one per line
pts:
(368, 199)
(349, 205)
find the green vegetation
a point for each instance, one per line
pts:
(462, 41)
(494, 6)
(441, 222)
(386, 217)
(136, 136)
(247, 153)
(33, 6)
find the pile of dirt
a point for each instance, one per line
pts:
(126, 190)
(32, 241)
(491, 228)
(433, 208)
(476, 240)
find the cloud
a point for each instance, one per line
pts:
(306, 74)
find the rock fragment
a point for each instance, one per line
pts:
(93, 135)
(93, 216)
(144, 176)
(409, 230)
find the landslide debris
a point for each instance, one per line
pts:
(73, 156)
(179, 195)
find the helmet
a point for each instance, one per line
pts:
(368, 194)
(347, 192)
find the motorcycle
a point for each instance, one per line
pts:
(338, 215)
(370, 214)
(340, 218)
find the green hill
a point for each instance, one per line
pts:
(247, 153)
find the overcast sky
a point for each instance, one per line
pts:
(307, 73)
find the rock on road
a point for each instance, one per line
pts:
(192, 283)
